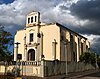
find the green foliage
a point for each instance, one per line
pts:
(88, 57)
(6, 41)
(98, 61)
(15, 71)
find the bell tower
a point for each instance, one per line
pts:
(33, 19)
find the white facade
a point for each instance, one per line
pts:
(48, 41)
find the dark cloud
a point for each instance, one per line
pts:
(85, 9)
(65, 12)
(88, 10)
(63, 7)
(96, 45)
(90, 28)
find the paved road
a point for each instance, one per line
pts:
(90, 76)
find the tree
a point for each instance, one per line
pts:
(88, 58)
(6, 40)
(98, 61)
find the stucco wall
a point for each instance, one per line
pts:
(2, 69)
(30, 70)
(19, 37)
(50, 32)
(48, 68)
(59, 67)
(75, 44)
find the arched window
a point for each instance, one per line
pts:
(28, 20)
(31, 55)
(32, 19)
(35, 18)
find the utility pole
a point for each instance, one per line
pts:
(17, 43)
(96, 60)
(66, 58)
(66, 52)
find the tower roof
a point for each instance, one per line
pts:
(33, 13)
(33, 18)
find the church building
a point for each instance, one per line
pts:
(48, 41)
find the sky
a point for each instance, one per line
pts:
(6, 1)
(82, 16)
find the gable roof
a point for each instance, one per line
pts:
(70, 30)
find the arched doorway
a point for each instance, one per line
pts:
(31, 55)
